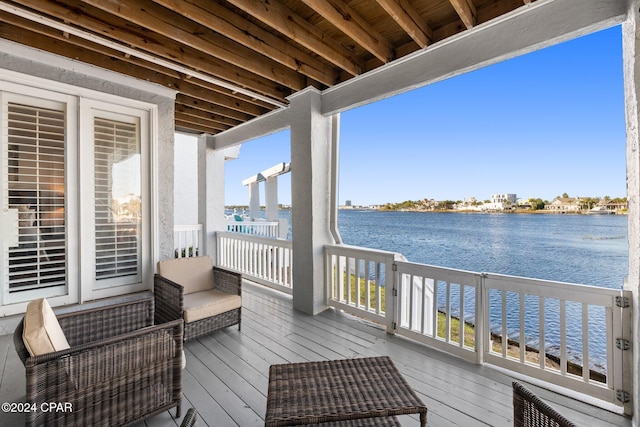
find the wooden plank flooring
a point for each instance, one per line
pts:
(227, 371)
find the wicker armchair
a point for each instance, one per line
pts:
(207, 298)
(190, 419)
(120, 368)
(531, 411)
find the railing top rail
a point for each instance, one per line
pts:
(548, 288)
(254, 222)
(254, 238)
(360, 251)
(409, 267)
(539, 287)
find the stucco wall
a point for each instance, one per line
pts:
(631, 64)
(51, 67)
(186, 180)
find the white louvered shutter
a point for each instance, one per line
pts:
(36, 187)
(118, 207)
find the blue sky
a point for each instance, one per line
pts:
(539, 125)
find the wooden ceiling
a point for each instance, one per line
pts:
(233, 60)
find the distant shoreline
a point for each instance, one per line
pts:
(516, 211)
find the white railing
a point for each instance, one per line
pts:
(357, 279)
(255, 228)
(542, 329)
(521, 313)
(188, 240)
(440, 306)
(265, 260)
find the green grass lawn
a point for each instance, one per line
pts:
(361, 297)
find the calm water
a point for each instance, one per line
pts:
(579, 249)
(585, 249)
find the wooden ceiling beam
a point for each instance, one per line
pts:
(347, 20)
(290, 24)
(205, 103)
(199, 120)
(77, 12)
(190, 127)
(171, 25)
(466, 11)
(225, 97)
(409, 20)
(115, 61)
(222, 20)
(207, 115)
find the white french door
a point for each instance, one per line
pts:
(116, 221)
(34, 183)
(74, 200)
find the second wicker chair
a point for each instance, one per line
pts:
(207, 298)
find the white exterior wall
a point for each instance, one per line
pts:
(631, 65)
(186, 180)
(211, 191)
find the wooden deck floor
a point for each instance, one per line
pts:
(227, 371)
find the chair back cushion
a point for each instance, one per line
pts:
(194, 273)
(42, 333)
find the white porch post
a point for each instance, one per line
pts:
(271, 198)
(211, 191)
(254, 200)
(311, 198)
(631, 61)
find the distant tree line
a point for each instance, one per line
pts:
(534, 203)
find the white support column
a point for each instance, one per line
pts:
(271, 198)
(631, 61)
(311, 142)
(254, 200)
(211, 191)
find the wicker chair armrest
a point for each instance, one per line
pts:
(190, 419)
(111, 320)
(227, 281)
(530, 410)
(169, 299)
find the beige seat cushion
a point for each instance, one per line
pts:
(201, 305)
(42, 333)
(195, 273)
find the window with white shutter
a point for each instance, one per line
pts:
(75, 196)
(118, 201)
(35, 150)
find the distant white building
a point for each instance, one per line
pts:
(500, 202)
(504, 198)
(565, 204)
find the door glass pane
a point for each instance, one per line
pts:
(36, 188)
(118, 207)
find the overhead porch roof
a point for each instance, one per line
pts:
(234, 60)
